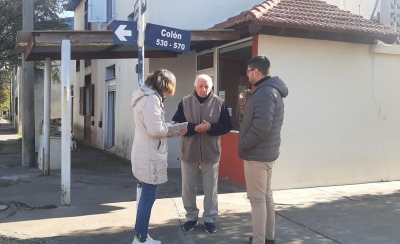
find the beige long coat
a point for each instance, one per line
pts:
(149, 148)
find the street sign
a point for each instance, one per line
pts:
(125, 32)
(167, 38)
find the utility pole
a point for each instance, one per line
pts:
(27, 94)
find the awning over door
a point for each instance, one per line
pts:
(37, 45)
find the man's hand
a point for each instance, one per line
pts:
(203, 127)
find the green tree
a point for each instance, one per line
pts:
(5, 78)
(5, 98)
(46, 17)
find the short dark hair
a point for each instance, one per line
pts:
(163, 81)
(261, 63)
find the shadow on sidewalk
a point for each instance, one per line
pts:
(368, 219)
(103, 192)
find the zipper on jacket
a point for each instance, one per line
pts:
(201, 120)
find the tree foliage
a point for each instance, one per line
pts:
(5, 76)
(46, 17)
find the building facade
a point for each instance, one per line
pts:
(341, 120)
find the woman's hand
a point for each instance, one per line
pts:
(183, 132)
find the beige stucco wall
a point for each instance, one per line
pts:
(341, 121)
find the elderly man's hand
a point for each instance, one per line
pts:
(203, 127)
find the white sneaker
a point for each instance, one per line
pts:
(148, 241)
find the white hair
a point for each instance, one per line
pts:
(206, 78)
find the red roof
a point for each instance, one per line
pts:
(309, 15)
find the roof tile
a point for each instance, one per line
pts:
(309, 14)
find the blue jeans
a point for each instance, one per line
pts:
(147, 198)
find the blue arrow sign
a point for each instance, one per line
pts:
(167, 38)
(125, 32)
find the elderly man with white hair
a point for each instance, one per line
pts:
(208, 118)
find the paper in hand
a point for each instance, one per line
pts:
(175, 129)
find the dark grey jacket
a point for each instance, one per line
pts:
(260, 130)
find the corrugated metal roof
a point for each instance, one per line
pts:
(309, 15)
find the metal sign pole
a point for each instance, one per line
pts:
(141, 32)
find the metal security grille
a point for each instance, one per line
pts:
(390, 15)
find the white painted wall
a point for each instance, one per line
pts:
(126, 82)
(341, 115)
(194, 14)
(79, 16)
(55, 102)
(78, 78)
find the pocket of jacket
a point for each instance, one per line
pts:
(159, 144)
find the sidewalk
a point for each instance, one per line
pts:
(103, 206)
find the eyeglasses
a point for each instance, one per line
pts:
(249, 70)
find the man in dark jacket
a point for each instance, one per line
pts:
(200, 149)
(259, 142)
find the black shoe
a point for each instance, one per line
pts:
(210, 227)
(266, 241)
(189, 225)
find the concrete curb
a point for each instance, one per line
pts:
(16, 238)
